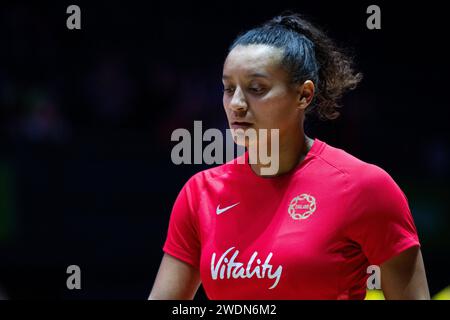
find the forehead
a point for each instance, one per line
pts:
(252, 59)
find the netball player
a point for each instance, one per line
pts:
(311, 230)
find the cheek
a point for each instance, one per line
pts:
(276, 111)
(225, 102)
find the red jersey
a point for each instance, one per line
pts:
(307, 234)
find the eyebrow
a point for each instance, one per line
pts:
(252, 75)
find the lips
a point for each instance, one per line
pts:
(240, 125)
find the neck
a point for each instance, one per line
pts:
(293, 149)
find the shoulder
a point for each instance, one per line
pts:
(203, 178)
(359, 173)
(371, 192)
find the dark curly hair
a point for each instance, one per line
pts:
(308, 53)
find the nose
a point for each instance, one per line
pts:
(238, 101)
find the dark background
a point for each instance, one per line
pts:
(86, 117)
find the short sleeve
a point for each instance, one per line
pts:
(382, 223)
(182, 239)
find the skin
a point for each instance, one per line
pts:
(176, 280)
(403, 277)
(257, 90)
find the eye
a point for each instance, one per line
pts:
(257, 90)
(228, 89)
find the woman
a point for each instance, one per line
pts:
(309, 231)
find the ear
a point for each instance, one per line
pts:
(305, 94)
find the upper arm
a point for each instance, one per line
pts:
(403, 276)
(178, 276)
(176, 280)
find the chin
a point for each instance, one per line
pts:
(243, 138)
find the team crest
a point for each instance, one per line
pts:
(302, 206)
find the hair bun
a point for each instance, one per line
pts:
(293, 22)
(287, 21)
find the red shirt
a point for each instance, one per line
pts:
(307, 234)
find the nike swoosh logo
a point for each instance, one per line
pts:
(220, 211)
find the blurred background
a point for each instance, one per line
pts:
(86, 118)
